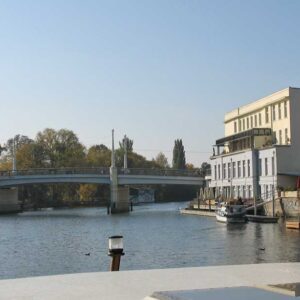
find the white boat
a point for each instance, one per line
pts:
(231, 213)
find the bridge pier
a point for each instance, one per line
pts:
(119, 196)
(9, 201)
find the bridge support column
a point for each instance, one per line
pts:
(9, 201)
(119, 196)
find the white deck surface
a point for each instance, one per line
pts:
(132, 285)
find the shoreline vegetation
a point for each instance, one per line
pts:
(61, 148)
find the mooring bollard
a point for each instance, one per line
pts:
(115, 248)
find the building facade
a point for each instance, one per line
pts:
(260, 151)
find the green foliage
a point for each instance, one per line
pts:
(61, 148)
(205, 169)
(178, 155)
(98, 155)
(126, 142)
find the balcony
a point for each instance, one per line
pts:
(254, 138)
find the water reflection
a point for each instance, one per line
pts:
(155, 236)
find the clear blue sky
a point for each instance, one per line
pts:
(155, 70)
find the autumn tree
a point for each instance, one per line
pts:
(98, 156)
(161, 160)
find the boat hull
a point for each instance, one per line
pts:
(224, 219)
(231, 214)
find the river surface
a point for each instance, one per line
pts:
(155, 236)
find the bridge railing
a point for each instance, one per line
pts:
(159, 172)
(100, 171)
(56, 171)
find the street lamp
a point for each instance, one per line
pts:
(115, 248)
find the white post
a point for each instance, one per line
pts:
(14, 158)
(113, 161)
(125, 151)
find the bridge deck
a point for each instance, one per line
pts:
(99, 176)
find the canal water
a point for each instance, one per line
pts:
(155, 236)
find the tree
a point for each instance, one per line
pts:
(17, 142)
(61, 148)
(99, 156)
(178, 155)
(128, 142)
(2, 149)
(161, 160)
(87, 192)
(205, 169)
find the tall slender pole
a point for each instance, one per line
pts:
(125, 151)
(113, 161)
(14, 158)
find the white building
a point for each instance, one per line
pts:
(261, 148)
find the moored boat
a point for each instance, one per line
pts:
(231, 213)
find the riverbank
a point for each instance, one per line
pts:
(131, 285)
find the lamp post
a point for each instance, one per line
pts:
(14, 158)
(125, 141)
(115, 250)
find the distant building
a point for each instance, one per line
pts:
(261, 148)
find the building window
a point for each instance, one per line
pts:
(235, 129)
(285, 109)
(224, 171)
(266, 166)
(279, 111)
(249, 168)
(247, 123)
(239, 169)
(244, 124)
(229, 170)
(274, 113)
(259, 167)
(215, 172)
(255, 121)
(244, 168)
(219, 172)
(280, 137)
(267, 114)
(273, 166)
(267, 191)
(259, 119)
(251, 122)
(240, 125)
(233, 170)
(286, 136)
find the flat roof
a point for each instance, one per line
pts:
(258, 104)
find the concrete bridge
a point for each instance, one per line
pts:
(99, 176)
(118, 179)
